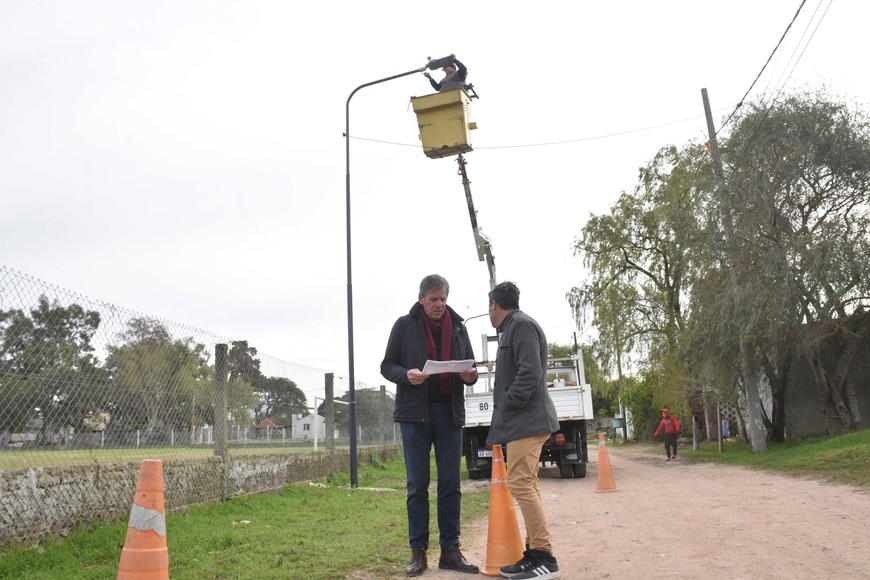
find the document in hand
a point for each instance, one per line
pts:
(435, 367)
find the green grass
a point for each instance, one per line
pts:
(301, 532)
(841, 459)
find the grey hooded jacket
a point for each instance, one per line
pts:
(522, 407)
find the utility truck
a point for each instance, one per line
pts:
(565, 380)
(572, 397)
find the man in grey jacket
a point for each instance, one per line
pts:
(523, 418)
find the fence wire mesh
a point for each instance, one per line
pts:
(85, 382)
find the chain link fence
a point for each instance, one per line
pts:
(86, 387)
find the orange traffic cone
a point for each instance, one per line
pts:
(504, 546)
(605, 473)
(145, 556)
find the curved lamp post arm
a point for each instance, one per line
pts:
(352, 393)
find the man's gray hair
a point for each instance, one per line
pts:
(433, 282)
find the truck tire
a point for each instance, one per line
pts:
(579, 470)
(566, 470)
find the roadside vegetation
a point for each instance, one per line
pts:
(840, 459)
(315, 531)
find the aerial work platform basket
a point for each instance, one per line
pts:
(445, 123)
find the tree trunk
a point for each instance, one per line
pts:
(710, 415)
(777, 376)
(777, 415)
(754, 419)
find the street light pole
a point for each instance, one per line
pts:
(433, 64)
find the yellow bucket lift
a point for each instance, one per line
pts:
(445, 123)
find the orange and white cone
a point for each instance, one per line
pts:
(145, 556)
(504, 546)
(605, 473)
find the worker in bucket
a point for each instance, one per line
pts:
(454, 77)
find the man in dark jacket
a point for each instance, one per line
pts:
(430, 410)
(523, 417)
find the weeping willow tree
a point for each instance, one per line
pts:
(640, 259)
(718, 284)
(798, 173)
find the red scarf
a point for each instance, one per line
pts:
(446, 326)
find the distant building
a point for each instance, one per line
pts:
(303, 427)
(266, 424)
(267, 429)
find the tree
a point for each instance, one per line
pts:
(799, 172)
(242, 362)
(158, 381)
(373, 415)
(279, 400)
(641, 262)
(46, 365)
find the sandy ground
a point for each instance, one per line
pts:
(683, 519)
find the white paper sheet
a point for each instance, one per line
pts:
(436, 367)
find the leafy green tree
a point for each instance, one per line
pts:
(374, 415)
(158, 382)
(242, 362)
(279, 400)
(641, 262)
(47, 366)
(798, 176)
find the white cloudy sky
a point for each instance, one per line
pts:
(185, 159)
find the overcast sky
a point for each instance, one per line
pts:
(185, 159)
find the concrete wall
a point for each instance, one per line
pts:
(40, 502)
(805, 415)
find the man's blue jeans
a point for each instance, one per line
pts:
(418, 440)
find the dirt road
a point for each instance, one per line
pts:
(683, 519)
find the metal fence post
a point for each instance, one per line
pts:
(329, 411)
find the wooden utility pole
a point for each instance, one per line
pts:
(220, 400)
(755, 424)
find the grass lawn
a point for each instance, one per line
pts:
(327, 531)
(842, 459)
(305, 531)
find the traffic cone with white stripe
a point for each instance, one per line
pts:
(605, 472)
(504, 546)
(145, 556)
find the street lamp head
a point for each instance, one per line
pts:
(441, 62)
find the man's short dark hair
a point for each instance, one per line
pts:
(506, 295)
(433, 282)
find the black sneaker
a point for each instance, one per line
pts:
(512, 570)
(541, 566)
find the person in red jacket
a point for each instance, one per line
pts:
(671, 428)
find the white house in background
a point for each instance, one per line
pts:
(303, 427)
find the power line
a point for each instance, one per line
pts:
(550, 143)
(740, 104)
(769, 108)
(793, 52)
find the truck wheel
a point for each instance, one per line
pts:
(579, 470)
(566, 471)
